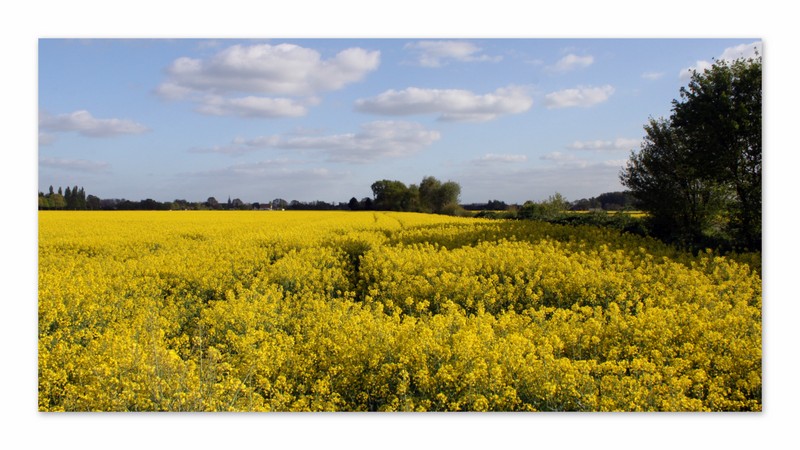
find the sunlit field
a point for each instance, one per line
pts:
(375, 311)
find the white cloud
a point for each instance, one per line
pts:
(381, 139)
(266, 71)
(283, 69)
(438, 53)
(699, 66)
(570, 160)
(605, 145)
(571, 62)
(583, 96)
(252, 106)
(728, 55)
(491, 158)
(80, 165)
(652, 75)
(375, 140)
(742, 51)
(83, 123)
(564, 159)
(451, 104)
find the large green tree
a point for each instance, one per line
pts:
(391, 195)
(435, 195)
(430, 196)
(719, 112)
(684, 207)
(698, 173)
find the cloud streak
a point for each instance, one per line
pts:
(450, 104)
(374, 141)
(493, 158)
(618, 144)
(571, 62)
(582, 96)
(83, 123)
(251, 106)
(80, 165)
(440, 53)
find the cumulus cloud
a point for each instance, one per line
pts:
(571, 62)
(85, 124)
(264, 71)
(450, 104)
(283, 69)
(728, 55)
(80, 165)
(582, 96)
(605, 145)
(439, 53)
(375, 140)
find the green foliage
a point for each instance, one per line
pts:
(720, 114)
(698, 173)
(684, 206)
(554, 207)
(431, 196)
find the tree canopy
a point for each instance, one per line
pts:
(430, 196)
(698, 173)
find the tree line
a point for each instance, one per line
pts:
(70, 198)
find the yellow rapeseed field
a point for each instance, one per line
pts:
(365, 311)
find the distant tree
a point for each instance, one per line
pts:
(279, 203)
(81, 200)
(391, 195)
(92, 203)
(449, 194)
(68, 198)
(212, 203)
(366, 204)
(550, 209)
(496, 205)
(150, 205)
(44, 201)
(57, 201)
(236, 204)
(429, 194)
(353, 204)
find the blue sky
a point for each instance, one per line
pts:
(322, 119)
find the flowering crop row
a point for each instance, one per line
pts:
(361, 311)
